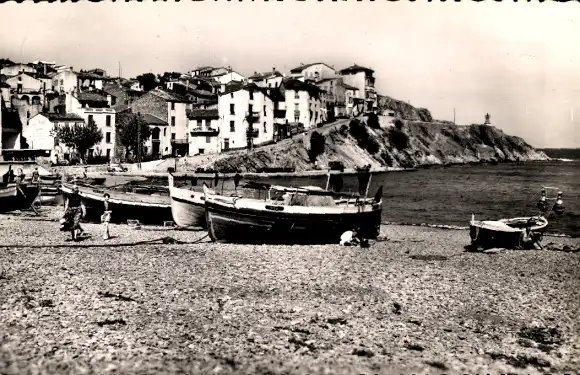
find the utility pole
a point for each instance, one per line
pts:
(139, 140)
(453, 115)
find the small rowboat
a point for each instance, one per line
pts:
(504, 233)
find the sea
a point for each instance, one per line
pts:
(449, 195)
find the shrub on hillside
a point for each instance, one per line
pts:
(316, 146)
(373, 121)
(399, 124)
(387, 158)
(364, 139)
(424, 115)
(398, 138)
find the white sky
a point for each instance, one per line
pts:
(518, 61)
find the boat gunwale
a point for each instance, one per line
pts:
(88, 195)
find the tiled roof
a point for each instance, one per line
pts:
(264, 75)
(87, 75)
(202, 113)
(273, 93)
(169, 96)
(63, 117)
(356, 68)
(89, 96)
(153, 120)
(347, 86)
(294, 84)
(302, 67)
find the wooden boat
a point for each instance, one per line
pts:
(187, 206)
(504, 233)
(15, 196)
(147, 208)
(291, 216)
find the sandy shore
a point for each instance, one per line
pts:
(416, 303)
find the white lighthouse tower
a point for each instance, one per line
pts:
(487, 119)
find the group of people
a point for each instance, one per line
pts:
(75, 210)
(19, 177)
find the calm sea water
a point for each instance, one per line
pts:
(450, 195)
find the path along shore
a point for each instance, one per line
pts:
(416, 303)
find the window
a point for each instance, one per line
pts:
(265, 130)
(172, 120)
(108, 119)
(173, 106)
(207, 139)
(232, 95)
(295, 106)
(172, 136)
(251, 95)
(264, 110)
(108, 153)
(165, 132)
(91, 118)
(296, 118)
(250, 108)
(232, 110)
(232, 126)
(269, 84)
(108, 137)
(297, 95)
(62, 82)
(199, 123)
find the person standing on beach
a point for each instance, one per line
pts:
(35, 175)
(74, 211)
(106, 217)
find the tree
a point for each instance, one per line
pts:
(132, 130)
(373, 121)
(167, 76)
(79, 137)
(317, 142)
(148, 81)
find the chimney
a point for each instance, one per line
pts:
(109, 99)
(223, 87)
(273, 69)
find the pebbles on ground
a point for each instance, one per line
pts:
(416, 303)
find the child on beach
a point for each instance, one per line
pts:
(106, 217)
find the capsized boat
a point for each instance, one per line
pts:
(152, 208)
(291, 216)
(187, 206)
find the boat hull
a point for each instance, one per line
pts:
(248, 226)
(124, 206)
(505, 233)
(12, 198)
(187, 206)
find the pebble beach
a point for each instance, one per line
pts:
(414, 303)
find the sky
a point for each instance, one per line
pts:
(519, 62)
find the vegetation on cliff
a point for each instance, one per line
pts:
(404, 144)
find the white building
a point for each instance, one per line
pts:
(16, 69)
(203, 131)
(313, 72)
(246, 116)
(364, 80)
(39, 133)
(64, 81)
(305, 103)
(271, 79)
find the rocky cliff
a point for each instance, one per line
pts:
(408, 144)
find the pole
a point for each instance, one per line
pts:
(328, 180)
(368, 184)
(454, 115)
(139, 140)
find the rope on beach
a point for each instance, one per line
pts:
(160, 240)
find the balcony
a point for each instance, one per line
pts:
(179, 141)
(207, 131)
(252, 116)
(253, 133)
(296, 113)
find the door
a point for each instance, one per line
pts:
(226, 143)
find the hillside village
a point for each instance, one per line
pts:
(206, 110)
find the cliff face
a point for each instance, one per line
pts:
(410, 144)
(404, 110)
